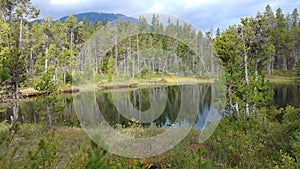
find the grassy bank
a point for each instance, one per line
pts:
(284, 76)
(69, 147)
(104, 84)
(282, 79)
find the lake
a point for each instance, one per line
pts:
(63, 112)
(286, 94)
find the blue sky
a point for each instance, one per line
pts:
(202, 13)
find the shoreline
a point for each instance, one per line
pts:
(283, 79)
(136, 83)
(105, 86)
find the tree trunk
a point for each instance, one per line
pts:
(16, 99)
(64, 77)
(10, 32)
(116, 52)
(138, 52)
(269, 65)
(284, 63)
(21, 30)
(246, 76)
(46, 60)
(133, 67)
(31, 63)
(256, 65)
(96, 57)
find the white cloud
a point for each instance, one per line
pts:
(66, 2)
(195, 3)
(156, 8)
(202, 13)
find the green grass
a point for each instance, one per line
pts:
(284, 73)
(143, 82)
(71, 147)
(282, 79)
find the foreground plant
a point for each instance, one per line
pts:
(46, 155)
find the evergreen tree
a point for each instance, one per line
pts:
(14, 63)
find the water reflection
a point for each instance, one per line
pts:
(63, 113)
(175, 106)
(286, 94)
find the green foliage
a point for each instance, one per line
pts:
(244, 85)
(14, 65)
(7, 134)
(96, 158)
(297, 68)
(144, 72)
(283, 73)
(4, 34)
(201, 162)
(46, 155)
(46, 82)
(111, 68)
(272, 134)
(4, 74)
(286, 162)
(69, 78)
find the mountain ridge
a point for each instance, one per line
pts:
(93, 17)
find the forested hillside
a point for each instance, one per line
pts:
(271, 40)
(94, 17)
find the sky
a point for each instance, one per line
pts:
(204, 14)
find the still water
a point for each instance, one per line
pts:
(286, 94)
(60, 111)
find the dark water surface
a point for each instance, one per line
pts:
(61, 112)
(286, 94)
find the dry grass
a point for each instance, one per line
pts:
(29, 91)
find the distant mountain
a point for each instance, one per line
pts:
(94, 17)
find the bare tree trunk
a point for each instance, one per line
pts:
(64, 75)
(16, 101)
(10, 32)
(126, 59)
(96, 57)
(21, 29)
(138, 52)
(269, 66)
(256, 65)
(211, 60)
(272, 65)
(31, 62)
(153, 65)
(116, 51)
(140, 107)
(296, 56)
(46, 60)
(71, 43)
(133, 66)
(237, 109)
(284, 64)
(246, 75)
(56, 72)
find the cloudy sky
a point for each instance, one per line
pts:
(202, 13)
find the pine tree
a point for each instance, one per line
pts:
(245, 89)
(14, 62)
